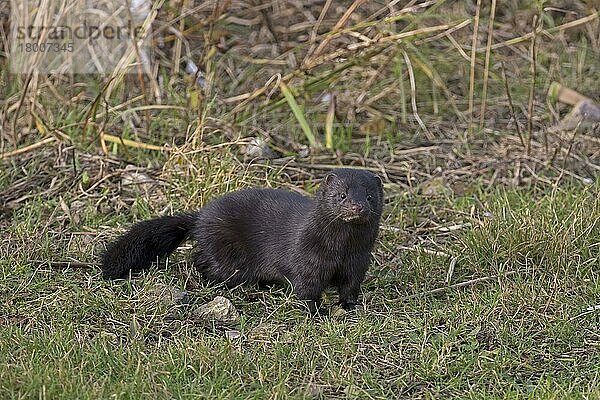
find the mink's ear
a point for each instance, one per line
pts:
(330, 177)
(379, 181)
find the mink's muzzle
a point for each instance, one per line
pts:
(356, 213)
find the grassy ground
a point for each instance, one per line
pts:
(486, 276)
(530, 333)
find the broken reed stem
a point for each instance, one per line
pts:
(66, 264)
(27, 148)
(329, 119)
(179, 41)
(140, 72)
(532, 86)
(473, 58)
(558, 92)
(133, 143)
(315, 30)
(445, 33)
(486, 71)
(103, 142)
(571, 142)
(403, 117)
(568, 25)
(413, 96)
(19, 107)
(461, 285)
(510, 105)
(101, 133)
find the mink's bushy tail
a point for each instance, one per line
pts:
(144, 243)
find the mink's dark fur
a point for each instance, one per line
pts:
(269, 235)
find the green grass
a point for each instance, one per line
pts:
(530, 331)
(67, 334)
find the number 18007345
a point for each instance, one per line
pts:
(45, 47)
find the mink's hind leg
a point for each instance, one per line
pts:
(217, 271)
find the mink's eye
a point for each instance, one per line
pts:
(369, 197)
(342, 196)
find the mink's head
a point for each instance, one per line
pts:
(351, 195)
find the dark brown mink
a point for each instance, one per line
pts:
(270, 236)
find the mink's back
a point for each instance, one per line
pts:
(248, 235)
(269, 209)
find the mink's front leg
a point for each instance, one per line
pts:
(349, 295)
(313, 304)
(350, 280)
(309, 290)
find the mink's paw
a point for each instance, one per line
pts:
(315, 309)
(322, 313)
(348, 305)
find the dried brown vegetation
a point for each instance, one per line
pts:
(408, 86)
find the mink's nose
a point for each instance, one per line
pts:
(356, 208)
